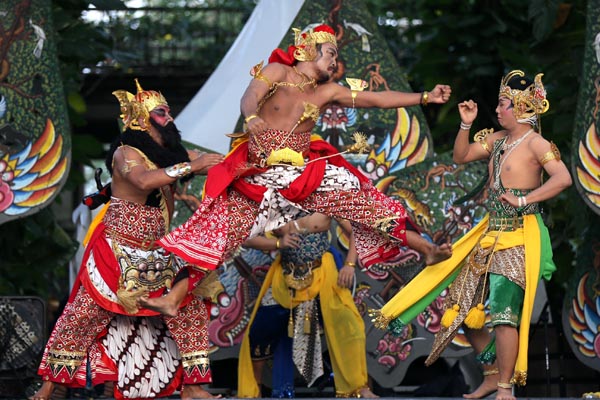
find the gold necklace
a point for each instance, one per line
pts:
(510, 148)
(306, 80)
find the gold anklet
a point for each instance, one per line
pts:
(491, 372)
(503, 385)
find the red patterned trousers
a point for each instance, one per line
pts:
(83, 322)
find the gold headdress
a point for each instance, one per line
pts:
(528, 98)
(306, 43)
(139, 106)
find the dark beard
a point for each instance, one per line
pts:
(323, 77)
(169, 134)
(170, 154)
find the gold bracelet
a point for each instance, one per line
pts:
(424, 98)
(277, 244)
(349, 264)
(250, 117)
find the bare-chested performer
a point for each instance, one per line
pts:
(508, 252)
(277, 171)
(122, 261)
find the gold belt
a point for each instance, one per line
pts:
(300, 282)
(505, 223)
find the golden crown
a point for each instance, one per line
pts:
(306, 43)
(139, 106)
(527, 102)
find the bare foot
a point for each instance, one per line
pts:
(191, 392)
(487, 387)
(159, 304)
(367, 394)
(438, 253)
(44, 392)
(505, 394)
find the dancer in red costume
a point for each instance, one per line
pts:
(276, 170)
(122, 261)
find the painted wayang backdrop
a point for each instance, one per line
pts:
(34, 131)
(581, 313)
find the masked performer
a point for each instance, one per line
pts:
(276, 170)
(506, 254)
(302, 286)
(122, 262)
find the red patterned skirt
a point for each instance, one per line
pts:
(238, 205)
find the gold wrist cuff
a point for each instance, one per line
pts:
(179, 170)
(424, 98)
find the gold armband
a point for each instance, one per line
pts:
(354, 94)
(250, 117)
(356, 85)
(257, 74)
(481, 138)
(179, 170)
(129, 164)
(553, 154)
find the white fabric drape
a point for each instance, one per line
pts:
(215, 109)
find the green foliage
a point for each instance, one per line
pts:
(472, 44)
(35, 255)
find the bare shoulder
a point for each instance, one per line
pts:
(126, 152)
(539, 144)
(126, 157)
(275, 71)
(494, 136)
(497, 135)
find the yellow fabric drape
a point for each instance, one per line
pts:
(428, 279)
(344, 327)
(97, 219)
(431, 277)
(532, 242)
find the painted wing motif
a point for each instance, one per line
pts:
(588, 170)
(400, 149)
(584, 320)
(31, 176)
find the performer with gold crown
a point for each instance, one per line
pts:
(122, 261)
(276, 170)
(507, 253)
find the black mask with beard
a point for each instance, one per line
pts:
(163, 156)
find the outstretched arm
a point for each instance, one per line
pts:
(388, 99)
(130, 166)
